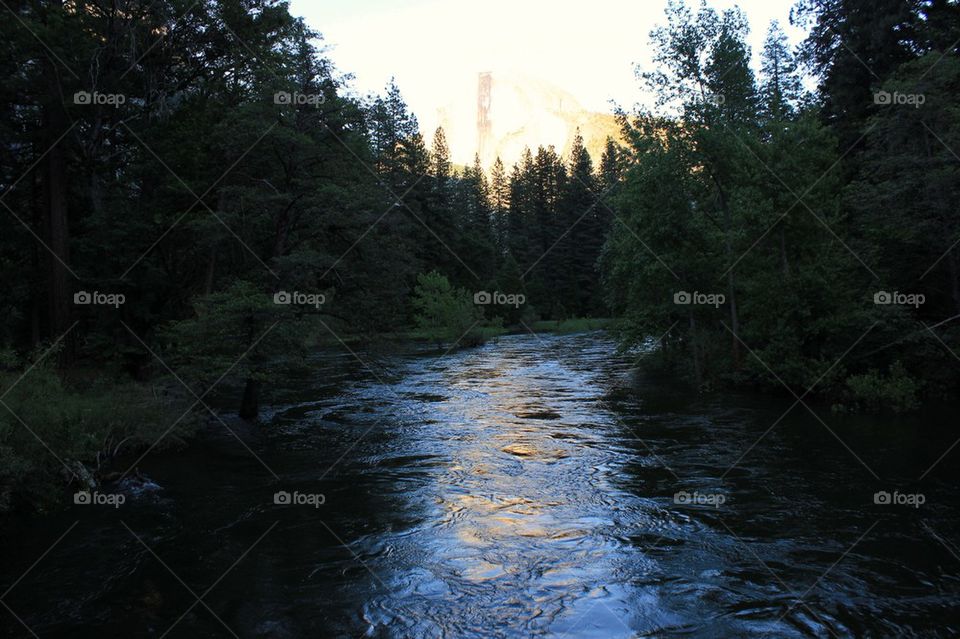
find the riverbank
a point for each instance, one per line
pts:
(57, 435)
(552, 327)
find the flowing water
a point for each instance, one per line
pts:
(535, 486)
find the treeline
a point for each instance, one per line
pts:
(189, 187)
(786, 239)
(537, 230)
(192, 185)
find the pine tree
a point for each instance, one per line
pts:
(611, 169)
(580, 219)
(500, 206)
(520, 218)
(440, 168)
(852, 47)
(544, 272)
(780, 85)
(478, 241)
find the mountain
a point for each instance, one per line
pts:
(523, 112)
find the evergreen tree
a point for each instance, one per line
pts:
(611, 169)
(440, 167)
(780, 86)
(582, 222)
(851, 47)
(500, 206)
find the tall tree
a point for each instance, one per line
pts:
(500, 205)
(780, 85)
(583, 234)
(851, 48)
(440, 168)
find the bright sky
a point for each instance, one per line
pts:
(435, 48)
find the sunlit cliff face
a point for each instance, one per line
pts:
(524, 112)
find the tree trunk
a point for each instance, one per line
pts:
(783, 252)
(731, 282)
(954, 279)
(250, 404)
(57, 237)
(694, 343)
(37, 261)
(211, 271)
(56, 228)
(734, 320)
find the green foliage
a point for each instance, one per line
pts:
(569, 326)
(43, 419)
(240, 329)
(896, 391)
(736, 187)
(444, 313)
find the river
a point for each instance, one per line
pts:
(534, 486)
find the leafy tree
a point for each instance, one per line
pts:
(240, 331)
(703, 69)
(445, 313)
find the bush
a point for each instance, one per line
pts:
(445, 313)
(897, 391)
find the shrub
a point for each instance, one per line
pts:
(896, 391)
(445, 313)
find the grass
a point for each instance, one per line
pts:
(49, 425)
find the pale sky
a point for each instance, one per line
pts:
(436, 48)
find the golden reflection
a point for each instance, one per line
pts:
(501, 494)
